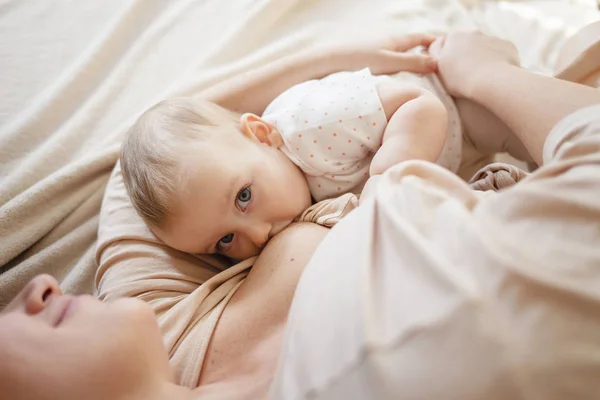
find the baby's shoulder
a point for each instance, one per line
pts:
(319, 93)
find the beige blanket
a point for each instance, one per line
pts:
(76, 74)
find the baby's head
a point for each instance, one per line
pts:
(207, 180)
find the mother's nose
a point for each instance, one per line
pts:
(34, 297)
(38, 292)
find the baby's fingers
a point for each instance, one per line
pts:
(407, 42)
(409, 62)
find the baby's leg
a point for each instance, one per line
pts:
(416, 130)
(487, 133)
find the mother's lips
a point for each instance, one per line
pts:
(66, 308)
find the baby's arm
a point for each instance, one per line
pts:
(253, 90)
(416, 128)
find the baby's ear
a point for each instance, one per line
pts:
(259, 130)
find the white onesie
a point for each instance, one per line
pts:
(332, 127)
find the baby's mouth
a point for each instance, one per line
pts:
(278, 227)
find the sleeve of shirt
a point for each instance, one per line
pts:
(430, 290)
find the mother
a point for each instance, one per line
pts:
(460, 296)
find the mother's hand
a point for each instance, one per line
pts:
(466, 58)
(389, 55)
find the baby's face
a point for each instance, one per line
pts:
(236, 194)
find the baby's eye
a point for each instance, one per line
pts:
(225, 242)
(243, 198)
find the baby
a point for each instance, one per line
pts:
(208, 180)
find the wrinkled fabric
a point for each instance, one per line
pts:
(75, 75)
(329, 212)
(496, 176)
(430, 290)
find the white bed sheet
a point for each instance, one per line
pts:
(75, 74)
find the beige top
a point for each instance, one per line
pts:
(188, 293)
(464, 295)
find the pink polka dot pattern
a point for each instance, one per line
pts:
(332, 127)
(332, 144)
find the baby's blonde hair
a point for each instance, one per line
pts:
(153, 147)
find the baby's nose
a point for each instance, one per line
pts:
(259, 233)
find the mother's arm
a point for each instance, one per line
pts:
(486, 70)
(255, 89)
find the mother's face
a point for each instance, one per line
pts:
(54, 346)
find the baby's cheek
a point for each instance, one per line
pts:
(302, 200)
